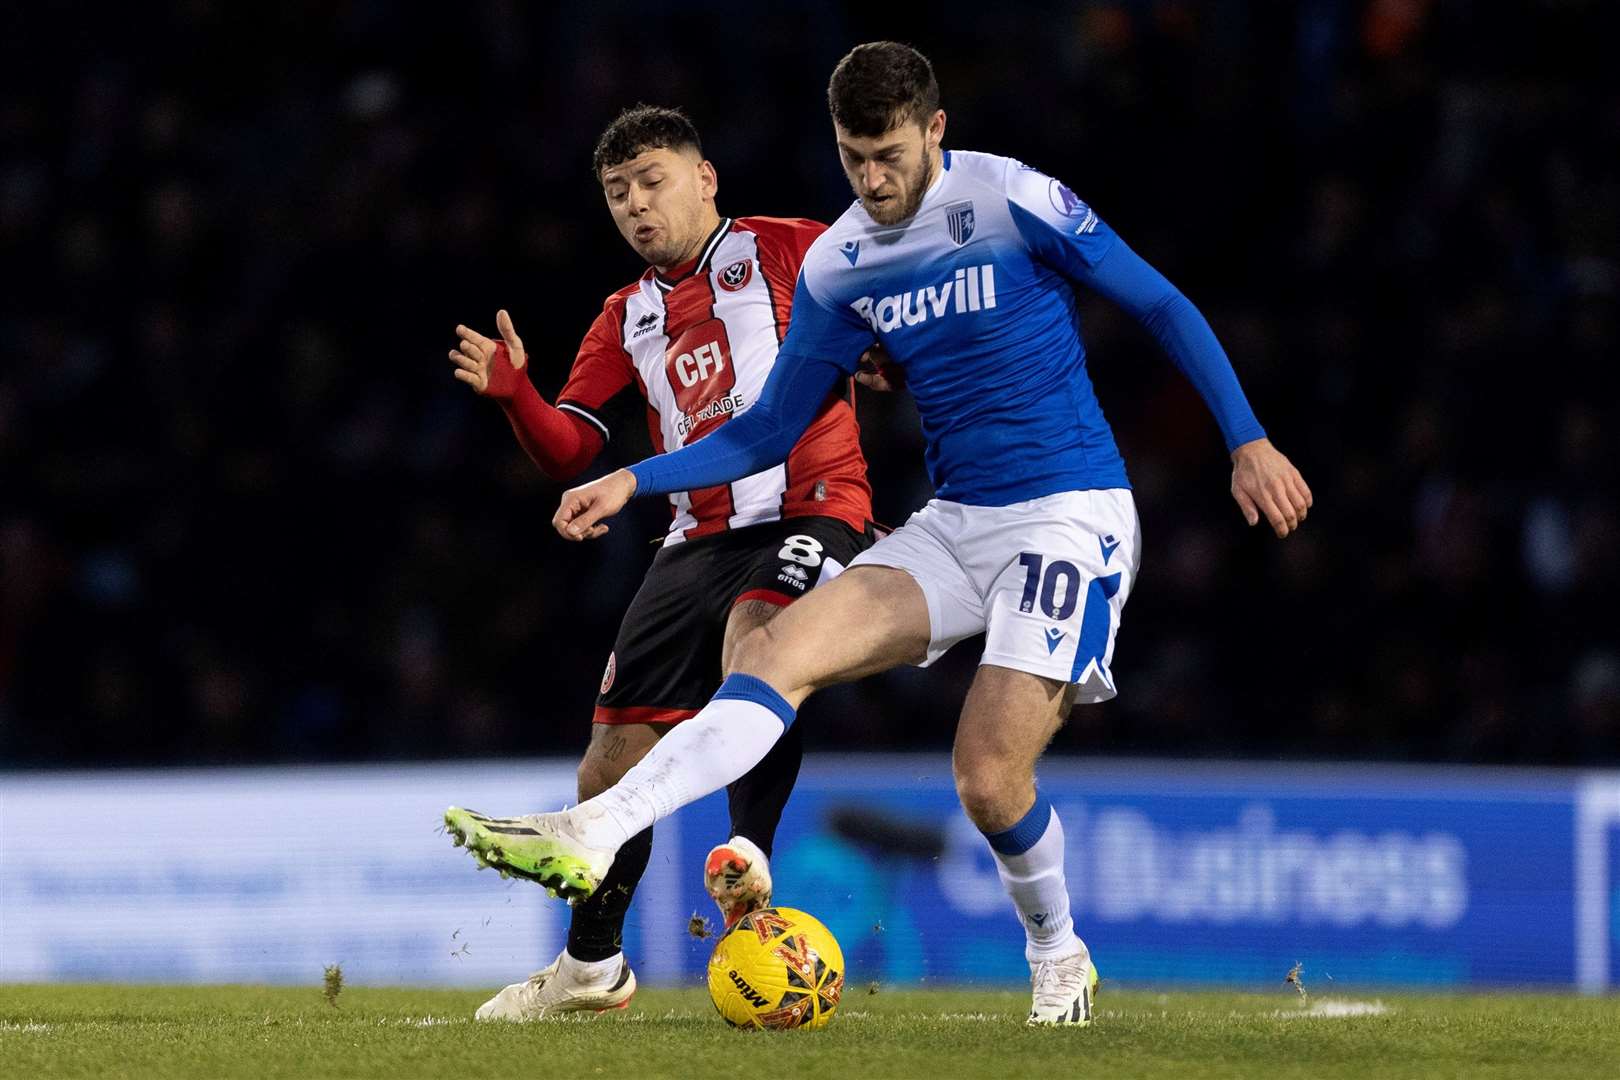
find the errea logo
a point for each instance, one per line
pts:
(973, 288)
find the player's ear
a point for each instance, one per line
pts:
(935, 132)
(708, 179)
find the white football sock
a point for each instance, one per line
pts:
(699, 756)
(591, 974)
(1034, 879)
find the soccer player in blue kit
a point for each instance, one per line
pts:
(964, 266)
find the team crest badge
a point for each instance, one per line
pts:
(736, 276)
(959, 220)
(612, 668)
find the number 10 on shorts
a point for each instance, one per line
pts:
(1045, 584)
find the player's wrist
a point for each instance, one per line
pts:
(1252, 446)
(507, 381)
(630, 481)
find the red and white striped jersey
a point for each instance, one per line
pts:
(698, 345)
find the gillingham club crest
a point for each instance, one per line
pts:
(959, 221)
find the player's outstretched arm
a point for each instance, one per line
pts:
(1264, 482)
(759, 438)
(560, 443)
(1067, 235)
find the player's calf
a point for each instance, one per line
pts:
(613, 750)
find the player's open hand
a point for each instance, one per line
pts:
(583, 507)
(1266, 482)
(493, 368)
(878, 372)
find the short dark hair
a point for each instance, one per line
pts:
(880, 84)
(642, 128)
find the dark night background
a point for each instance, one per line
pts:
(247, 515)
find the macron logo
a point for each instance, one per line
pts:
(972, 289)
(851, 250)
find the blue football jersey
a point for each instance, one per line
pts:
(973, 295)
(984, 322)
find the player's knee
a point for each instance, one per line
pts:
(982, 788)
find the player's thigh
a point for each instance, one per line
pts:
(790, 559)
(665, 663)
(613, 749)
(1059, 570)
(1008, 719)
(868, 619)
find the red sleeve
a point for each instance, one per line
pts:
(602, 370)
(561, 443)
(565, 439)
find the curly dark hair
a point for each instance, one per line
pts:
(879, 85)
(642, 128)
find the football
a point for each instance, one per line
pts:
(778, 968)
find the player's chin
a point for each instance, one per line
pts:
(656, 250)
(884, 211)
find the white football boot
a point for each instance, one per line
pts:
(553, 991)
(738, 878)
(1065, 990)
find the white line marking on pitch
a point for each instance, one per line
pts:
(1333, 1009)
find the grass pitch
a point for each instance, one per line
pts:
(251, 1031)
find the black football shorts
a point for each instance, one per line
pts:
(665, 663)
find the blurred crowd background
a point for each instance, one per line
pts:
(247, 515)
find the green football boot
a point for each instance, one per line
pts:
(539, 847)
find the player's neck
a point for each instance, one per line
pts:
(710, 222)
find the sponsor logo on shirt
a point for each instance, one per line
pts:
(972, 288)
(698, 366)
(646, 324)
(717, 410)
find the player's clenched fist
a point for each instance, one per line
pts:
(584, 506)
(493, 368)
(1266, 482)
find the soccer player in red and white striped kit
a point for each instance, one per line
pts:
(693, 339)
